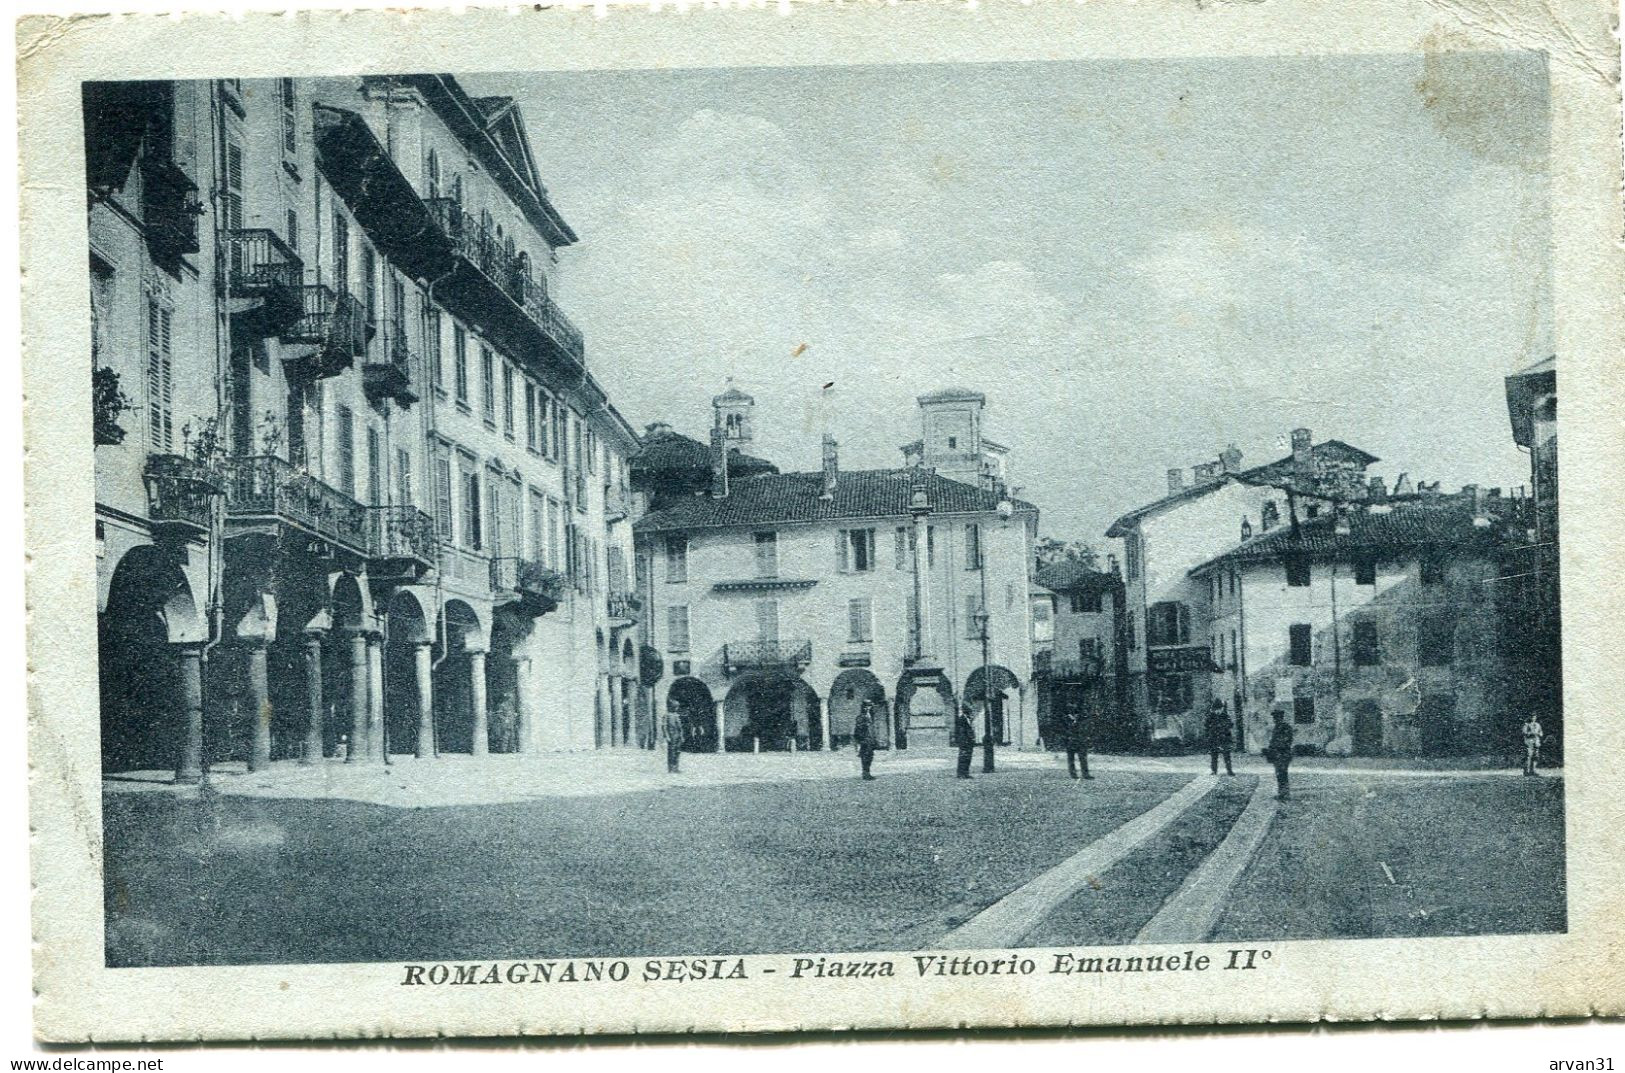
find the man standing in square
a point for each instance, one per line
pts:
(674, 734)
(1218, 736)
(1532, 733)
(863, 736)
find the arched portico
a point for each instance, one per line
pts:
(698, 710)
(408, 680)
(995, 689)
(150, 672)
(846, 696)
(923, 710)
(462, 721)
(772, 712)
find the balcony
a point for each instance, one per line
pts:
(625, 606)
(617, 503)
(263, 270)
(169, 209)
(499, 291)
(536, 589)
(741, 656)
(179, 491)
(263, 488)
(391, 377)
(332, 322)
(403, 542)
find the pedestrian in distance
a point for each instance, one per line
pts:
(863, 736)
(964, 739)
(674, 735)
(1218, 736)
(1279, 753)
(1077, 743)
(1532, 733)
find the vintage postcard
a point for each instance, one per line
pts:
(822, 516)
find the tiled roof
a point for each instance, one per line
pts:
(1411, 525)
(667, 450)
(775, 498)
(1071, 576)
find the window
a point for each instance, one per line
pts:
(375, 467)
(1303, 710)
(431, 173)
(290, 117)
(676, 559)
(1168, 623)
(293, 230)
(341, 253)
(160, 377)
(973, 611)
(507, 400)
(488, 386)
(442, 496)
(431, 347)
(1436, 641)
(973, 547)
(1270, 515)
(530, 418)
(1365, 650)
(767, 621)
(459, 357)
(677, 628)
(1297, 572)
(346, 451)
(369, 283)
(1432, 571)
(1085, 603)
(930, 546)
(1090, 651)
(1312, 510)
(536, 547)
(1365, 572)
(1234, 661)
(555, 534)
(767, 554)
(231, 193)
(1233, 574)
(1043, 621)
(469, 480)
(1171, 692)
(1299, 644)
(855, 550)
(904, 550)
(860, 628)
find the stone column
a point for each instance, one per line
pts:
(922, 584)
(476, 696)
(189, 768)
(375, 697)
(359, 704)
(259, 698)
(614, 684)
(521, 704)
(423, 672)
(824, 742)
(721, 718)
(312, 752)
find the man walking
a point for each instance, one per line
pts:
(1218, 736)
(1077, 743)
(1532, 733)
(1279, 753)
(964, 739)
(674, 735)
(863, 736)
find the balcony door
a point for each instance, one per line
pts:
(767, 622)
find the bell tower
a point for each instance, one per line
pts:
(735, 414)
(951, 433)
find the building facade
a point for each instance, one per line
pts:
(358, 493)
(1533, 627)
(1080, 669)
(1375, 627)
(780, 602)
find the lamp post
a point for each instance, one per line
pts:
(983, 618)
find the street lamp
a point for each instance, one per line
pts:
(982, 618)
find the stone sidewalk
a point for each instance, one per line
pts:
(459, 780)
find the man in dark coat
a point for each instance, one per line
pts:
(863, 736)
(1279, 753)
(1218, 736)
(674, 735)
(964, 739)
(1076, 729)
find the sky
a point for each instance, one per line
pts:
(1139, 262)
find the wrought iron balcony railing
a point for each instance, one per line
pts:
(389, 375)
(260, 262)
(179, 491)
(264, 486)
(538, 588)
(403, 532)
(334, 323)
(624, 605)
(765, 655)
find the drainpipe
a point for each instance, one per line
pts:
(430, 402)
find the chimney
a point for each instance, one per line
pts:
(1230, 459)
(831, 467)
(1205, 472)
(1402, 487)
(1302, 450)
(1112, 567)
(1176, 481)
(719, 464)
(1340, 524)
(1378, 490)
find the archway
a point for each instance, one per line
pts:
(406, 633)
(631, 729)
(508, 631)
(345, 696)
(143, 708)
(462, 646)
(850, 689)
(1000, 684)
(923, 711)
(699, 714)
(771, 713)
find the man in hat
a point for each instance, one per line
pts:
(863, 736)
(674, 734)
(1218, 736)
(1279, 753)
(964, 739)
(1076, 729)
(1532, 733)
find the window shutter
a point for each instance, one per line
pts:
(841, 541)
(442, 494)
(234, 186)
